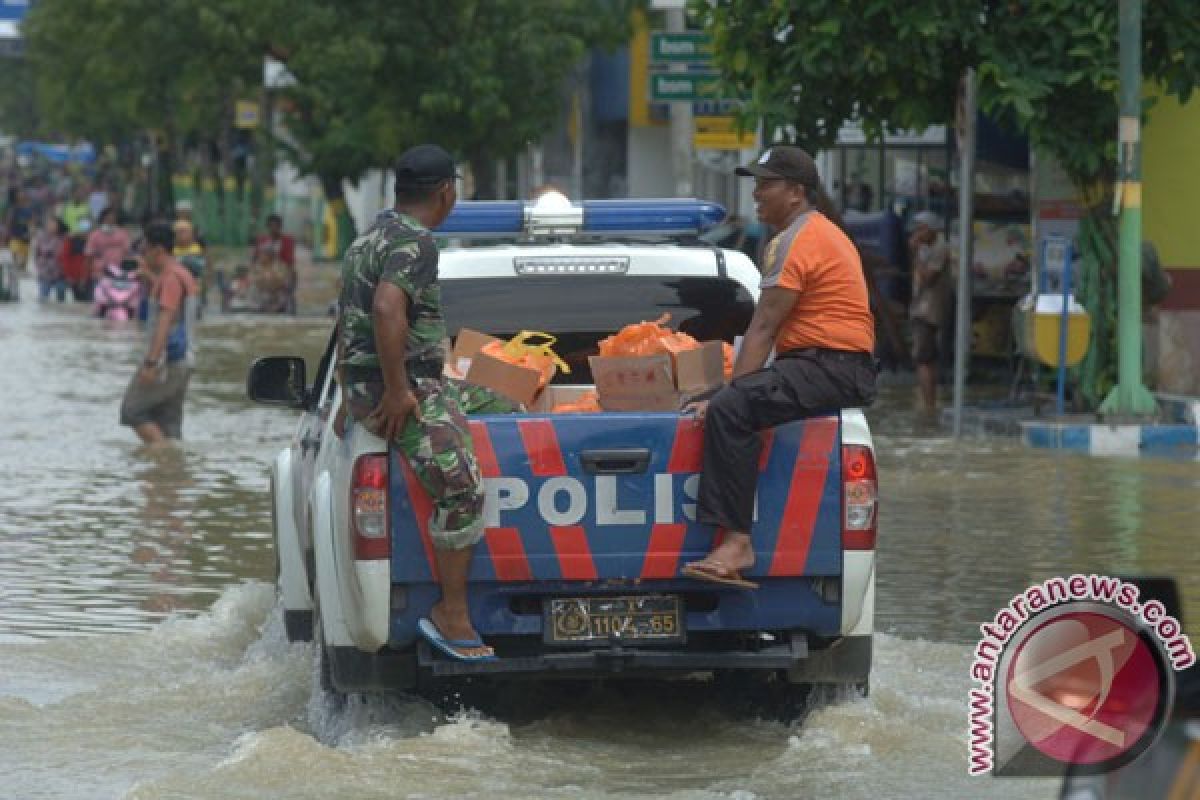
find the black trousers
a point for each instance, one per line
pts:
(800, 383)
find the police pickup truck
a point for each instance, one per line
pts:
(589, 516)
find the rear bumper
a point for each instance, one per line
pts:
(846, 660)
(839, 661)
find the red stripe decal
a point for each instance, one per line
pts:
(687, 451)
(485, 454)
(508, 554)
(768, 439)
(541, 446)
(662, 554)
(804, 497)
(574, 554)
(422, 509)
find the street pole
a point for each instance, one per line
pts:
(1129, 396)
(682, 125)
(966, 213)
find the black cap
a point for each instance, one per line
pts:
(783, 161)
(424, 165)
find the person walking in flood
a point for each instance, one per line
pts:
(930, 258)
(153, 403)
(391, 365)
(814, 313)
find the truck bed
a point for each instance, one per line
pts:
(605, 504)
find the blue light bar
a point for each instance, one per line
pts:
(660, 216)
(478, 218)
(631, 217)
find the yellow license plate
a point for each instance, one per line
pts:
(641, 618)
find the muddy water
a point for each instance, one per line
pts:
(142, 654)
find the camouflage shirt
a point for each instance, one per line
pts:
(397, 249)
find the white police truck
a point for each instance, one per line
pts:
(589, 516)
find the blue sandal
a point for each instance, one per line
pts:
(430, 633)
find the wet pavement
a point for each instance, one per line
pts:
(142, 653)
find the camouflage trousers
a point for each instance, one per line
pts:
(438, 447)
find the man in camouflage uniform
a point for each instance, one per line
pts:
(391, 359)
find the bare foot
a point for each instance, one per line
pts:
(734, 554)
(457, 627)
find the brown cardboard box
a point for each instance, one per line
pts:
(519, 384)
(658, 382)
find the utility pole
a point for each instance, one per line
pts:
(1129, 396)
(966, 241)
(682, 124)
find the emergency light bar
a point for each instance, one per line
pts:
(479, 219)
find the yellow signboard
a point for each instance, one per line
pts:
(245, 114)
(720, 133)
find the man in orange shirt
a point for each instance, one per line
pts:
(813, 311)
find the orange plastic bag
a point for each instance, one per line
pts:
(727, 351)
(588, 403)
(537, 356)
(646, 339)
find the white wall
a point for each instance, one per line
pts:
(650, 162)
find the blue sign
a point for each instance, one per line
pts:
(14, 10)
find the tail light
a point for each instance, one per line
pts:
(369, 507)
(860, 499)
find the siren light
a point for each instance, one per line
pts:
(632, 217)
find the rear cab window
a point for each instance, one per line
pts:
(582, 309)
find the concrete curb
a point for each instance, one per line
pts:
(1113, 440)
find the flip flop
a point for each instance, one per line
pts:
(726, 577)
(430, 633)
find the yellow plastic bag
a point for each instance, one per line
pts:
(523, 351)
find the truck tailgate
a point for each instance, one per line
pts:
(562, 507)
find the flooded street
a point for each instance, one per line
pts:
(142, 654)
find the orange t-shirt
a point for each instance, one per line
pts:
(815, 259)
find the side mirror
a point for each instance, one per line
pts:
(278, 381)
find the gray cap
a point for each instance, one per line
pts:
(783, 161)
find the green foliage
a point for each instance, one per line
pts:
(810, 66)
(108, 70)
(1052, 65)
(1047, 66)
(481, 77)
(18, 105)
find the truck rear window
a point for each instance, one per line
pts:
(583, 309)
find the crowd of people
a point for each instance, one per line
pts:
(68, 228)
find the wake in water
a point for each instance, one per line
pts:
(220, 705)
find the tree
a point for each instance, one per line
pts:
(113, 71)
(18, 104)
(481, 77)
(809, 67)
(1048, 67)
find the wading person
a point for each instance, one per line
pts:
(391, 360)
(153, 404)
(929, 256)
(813, 311)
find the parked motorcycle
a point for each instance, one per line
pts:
(118, 292)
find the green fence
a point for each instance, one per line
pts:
(230, 221)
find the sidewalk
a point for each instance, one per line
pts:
(1175, 434)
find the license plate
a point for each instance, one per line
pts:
(644, 618)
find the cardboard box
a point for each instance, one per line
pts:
(519, 384)
(658, 382)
